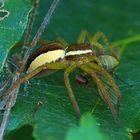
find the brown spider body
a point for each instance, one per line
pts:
(53, 56)
(74, 57)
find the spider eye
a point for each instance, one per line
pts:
(47, 54)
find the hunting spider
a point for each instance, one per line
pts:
(88, 55)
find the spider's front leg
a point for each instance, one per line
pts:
(63, 42)
(116, 89)
(82, 37)
(108, 77)
(69, 88)
(93, 40)
(104, 93)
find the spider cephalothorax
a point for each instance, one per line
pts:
(77, 51)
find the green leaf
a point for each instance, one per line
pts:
(13, 21)
(88, 130)
(118, 20)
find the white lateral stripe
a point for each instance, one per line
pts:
(44, 58)
(78, 52)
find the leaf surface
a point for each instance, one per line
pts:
(118, 20)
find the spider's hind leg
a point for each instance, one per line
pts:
(106, 96)
(112, 84)
(104, 93)
(116, 89)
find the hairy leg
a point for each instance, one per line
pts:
(69, 89)
(63, 42)
(82, 37)
(53, 66)
(94, 39)
(116, 89)
(112, 84)
(104, 92)
(94, 42)
(101, 87)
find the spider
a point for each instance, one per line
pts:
(88, 56)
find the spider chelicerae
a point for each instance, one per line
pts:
(88, 55)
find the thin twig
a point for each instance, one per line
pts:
(11, 99)
(44, 23)
(28, 35)
(10, 103)
(13, 94)
(30, 24)
(3, 102)
(39, 32)
(30, 75)
(9, 106)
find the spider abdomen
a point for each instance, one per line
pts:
(47, 54)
